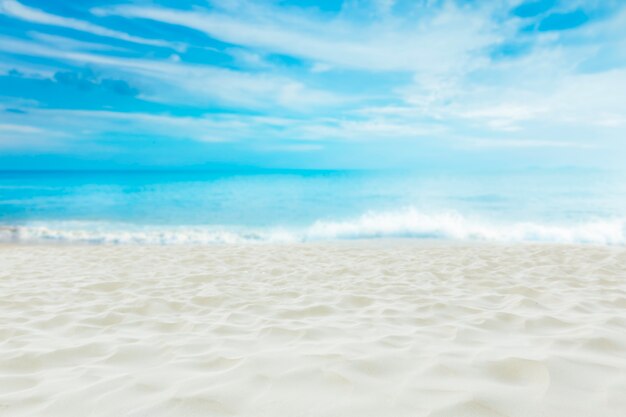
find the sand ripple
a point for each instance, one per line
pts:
(346, 329)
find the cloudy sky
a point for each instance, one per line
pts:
(312, 84)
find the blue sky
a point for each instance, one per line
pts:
(312, 84)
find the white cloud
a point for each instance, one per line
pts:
(446, 85)
(81, 125)
(447, 50)
(20, 129)
(19, 11)
(27, 136)
(62, 42)
(178, 82)
(523, 143)
(320, 67)
(442, 41)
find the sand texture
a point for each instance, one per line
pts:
(385, 329)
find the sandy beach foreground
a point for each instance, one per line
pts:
(383, 329)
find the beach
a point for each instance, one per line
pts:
(352, 328)
(338, 208)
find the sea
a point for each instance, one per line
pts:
(165, 207)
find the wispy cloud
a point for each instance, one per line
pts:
(431, 41)
(20, 129)
(27, 136)
(488, 76)
(524, 143)
(177, 82)
(65, 43)
(17, 10)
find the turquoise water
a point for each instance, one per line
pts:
(223, 207)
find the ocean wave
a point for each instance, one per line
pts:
(153, 235)
(450, 225)
(405, 223)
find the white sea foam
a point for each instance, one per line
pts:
(116, 234)
(450, 225)
(405, 223)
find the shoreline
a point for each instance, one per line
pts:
(381, 242)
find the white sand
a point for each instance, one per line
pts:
(354, 329)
